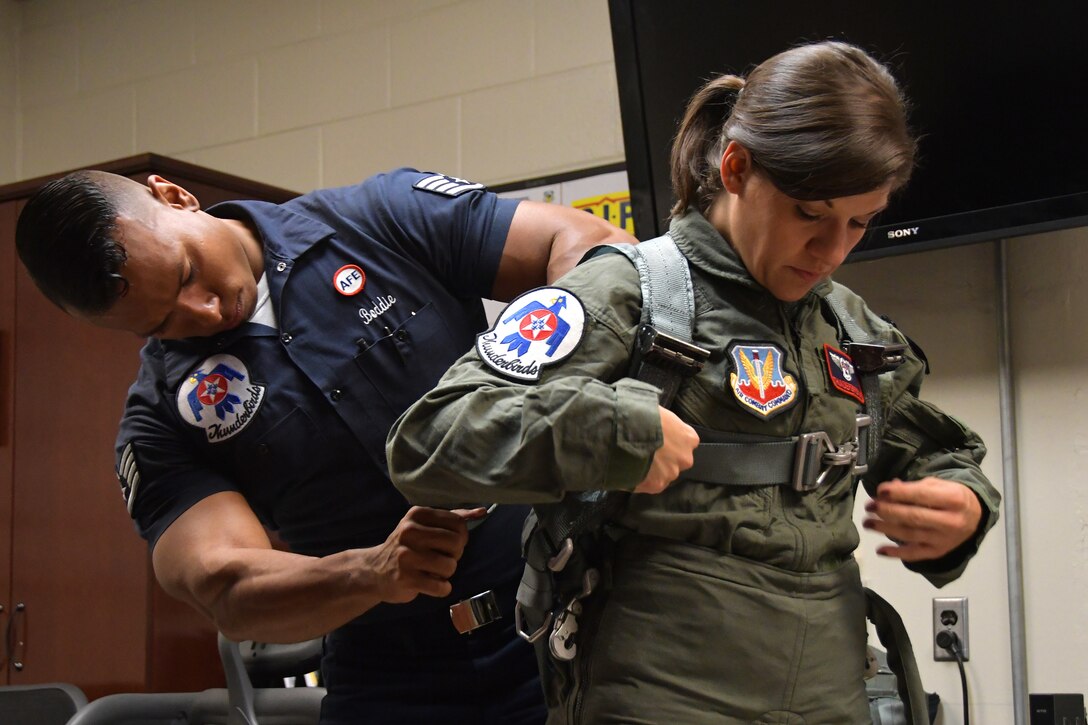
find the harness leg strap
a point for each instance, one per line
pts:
(893, 635)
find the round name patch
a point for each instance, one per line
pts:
(219, 397)
(540, 328)
(349, 280)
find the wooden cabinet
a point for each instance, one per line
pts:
(79, 601)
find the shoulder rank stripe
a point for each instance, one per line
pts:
(446, 185)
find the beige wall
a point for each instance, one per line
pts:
(9, 53)
(309, 93)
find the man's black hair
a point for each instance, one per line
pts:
(66, 238)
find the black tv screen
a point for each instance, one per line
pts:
(997, 88)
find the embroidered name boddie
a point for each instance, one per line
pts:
(219, 397)
(381, 305)
(540, 328)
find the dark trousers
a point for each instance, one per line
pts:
(422, 672)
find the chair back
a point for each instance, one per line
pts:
(49, 704)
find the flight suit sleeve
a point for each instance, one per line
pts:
(920, 440)
(479, 436)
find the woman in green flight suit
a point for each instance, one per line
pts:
(722, 603)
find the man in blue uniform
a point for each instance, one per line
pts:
(285, 340)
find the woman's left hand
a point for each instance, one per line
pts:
(926, 519)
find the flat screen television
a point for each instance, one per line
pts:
(999, 94)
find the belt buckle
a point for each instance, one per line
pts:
(474, 612)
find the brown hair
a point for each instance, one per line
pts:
(821, 121)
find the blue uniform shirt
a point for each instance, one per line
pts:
(376, 290)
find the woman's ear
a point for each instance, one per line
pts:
(735, 167)
(171, 194)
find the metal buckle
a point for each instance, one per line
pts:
(475, 612)
(848, 454)
(519, 625)
(660, 347)
(862, 431)
(873, 358)
(805, 442)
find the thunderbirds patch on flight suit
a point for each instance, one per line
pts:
(538, 329)
(758, 379)
(446, 185)
(349, 280)
(129, 476)
(840, 368)
(219, 397)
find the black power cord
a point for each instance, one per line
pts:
(949, 641)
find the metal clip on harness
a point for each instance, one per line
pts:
(810, 472)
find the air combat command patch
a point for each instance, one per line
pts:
(758, 379)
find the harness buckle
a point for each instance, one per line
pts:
(519, 626)
(660, 348)
(816, 456)
(876, 358)
(862, 431)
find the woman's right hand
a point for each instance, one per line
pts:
(674, 455)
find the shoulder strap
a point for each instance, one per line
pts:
(664, 354)
(870, 358)
(668, 299)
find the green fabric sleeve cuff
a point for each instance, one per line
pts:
(637, 434)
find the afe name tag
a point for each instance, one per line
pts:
(538, 329)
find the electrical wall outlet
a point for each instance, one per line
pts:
(950, 615)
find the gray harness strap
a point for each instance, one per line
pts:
(668, 302)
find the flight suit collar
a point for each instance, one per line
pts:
(707, 250)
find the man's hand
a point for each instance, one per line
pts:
(674, 455)
(926, 519)
(421, 554)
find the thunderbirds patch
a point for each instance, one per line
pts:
(446, 185)
(220, 397)
(759, 380)
(840, 368)
(538, 329)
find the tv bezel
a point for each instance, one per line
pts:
(967, 227)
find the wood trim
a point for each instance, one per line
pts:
(154, 163)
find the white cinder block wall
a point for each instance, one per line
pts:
(310, 93)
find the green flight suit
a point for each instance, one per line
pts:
(724, 604)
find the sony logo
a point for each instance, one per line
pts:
(899, 233)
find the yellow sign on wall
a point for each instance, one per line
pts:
(614, 207)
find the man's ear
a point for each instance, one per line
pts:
(170, 193)
(735, 167)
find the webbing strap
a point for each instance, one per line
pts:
(745, 463)
(893, 635)
(668, 300)
(870, 382)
